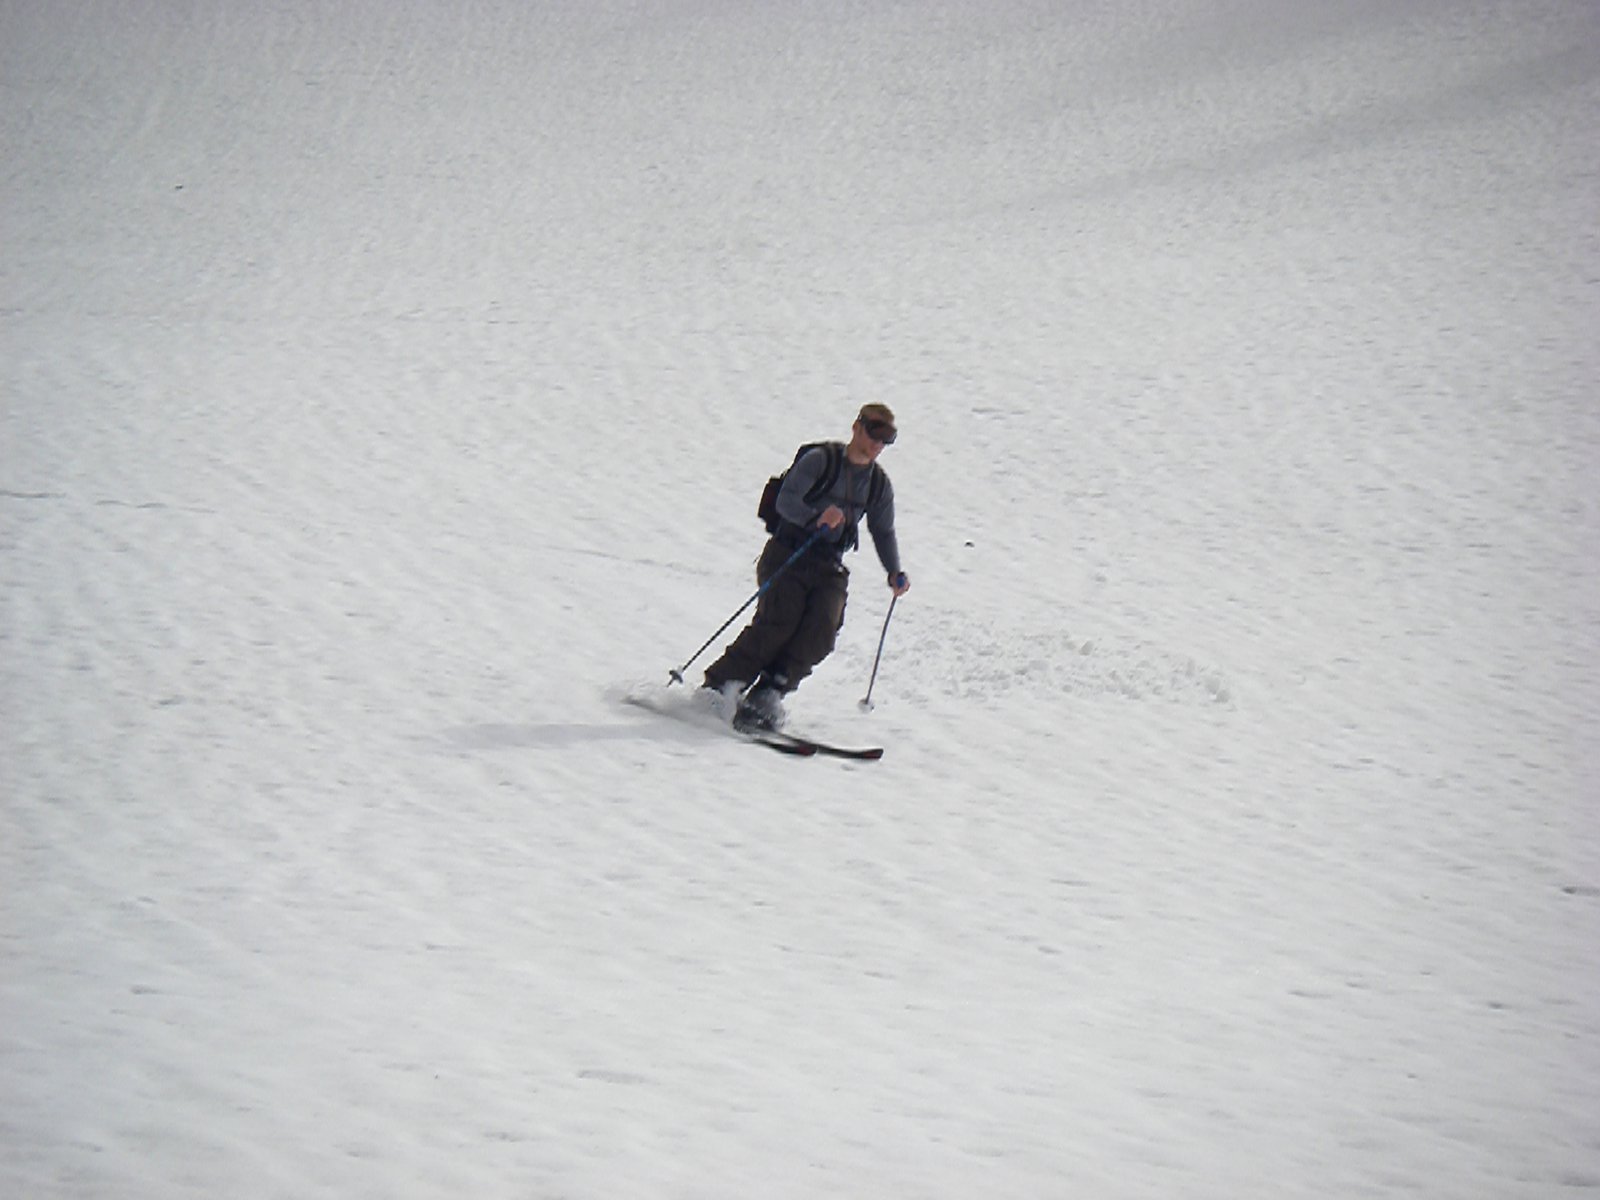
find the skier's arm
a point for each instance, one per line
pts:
(880, 524)
(802, 477)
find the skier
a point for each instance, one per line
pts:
(826, 493)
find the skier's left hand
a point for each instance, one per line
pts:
(900, 583)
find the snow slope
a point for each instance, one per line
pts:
(385, 389)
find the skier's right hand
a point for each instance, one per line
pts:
(832, 517)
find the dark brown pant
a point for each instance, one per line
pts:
(797, 619)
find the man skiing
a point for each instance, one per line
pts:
(824, 496)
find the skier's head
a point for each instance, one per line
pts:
(877, 422)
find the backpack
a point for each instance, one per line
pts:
(767, 509)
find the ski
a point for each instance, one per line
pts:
(792, 746)
(795, 747)
(777, 740)
(806, 745)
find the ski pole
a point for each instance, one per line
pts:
(677, 676)
(866, 701)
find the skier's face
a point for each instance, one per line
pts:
(881, 432)
(872, 436)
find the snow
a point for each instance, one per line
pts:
(385, 391)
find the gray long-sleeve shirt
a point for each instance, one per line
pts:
(850, 491)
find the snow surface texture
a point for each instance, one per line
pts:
(385, 389)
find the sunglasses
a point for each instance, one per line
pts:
(880, 431)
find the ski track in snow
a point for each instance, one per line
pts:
(384, 392)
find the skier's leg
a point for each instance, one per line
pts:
(779, 613)
(817, 630)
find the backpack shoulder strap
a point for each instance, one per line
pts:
(830, 471)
